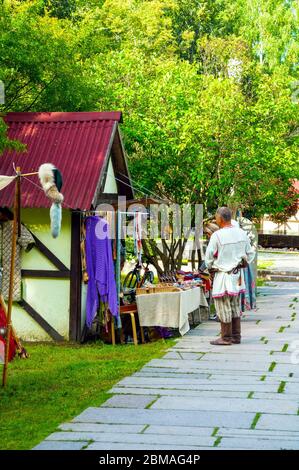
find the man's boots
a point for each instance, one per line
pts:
(226, 335)
(236, 330)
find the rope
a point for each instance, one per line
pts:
(41, 189)
(141, 186)
(129, 185)
(121, 181)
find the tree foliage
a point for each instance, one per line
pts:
(208, 88)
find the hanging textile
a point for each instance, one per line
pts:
(5, 181)
(25, 241)
(12, 343)
(248, 299)
(51, 181)
(100, 269)
(138, 236)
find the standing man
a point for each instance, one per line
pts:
(228, 248)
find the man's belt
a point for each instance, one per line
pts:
(242, 265)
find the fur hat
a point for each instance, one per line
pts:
(51, 181)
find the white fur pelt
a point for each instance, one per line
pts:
(46, 177)
(56, 217)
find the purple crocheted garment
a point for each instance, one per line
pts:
(100, 268)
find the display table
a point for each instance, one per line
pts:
(170, 309)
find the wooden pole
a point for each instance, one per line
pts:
(30, 174)
(12, 271)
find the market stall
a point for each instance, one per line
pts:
(88, 149)
(170, 309)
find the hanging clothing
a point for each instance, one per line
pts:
(227, 247)
(248, 298)
(25, 241)
(138, 236)
(5, 181)
(100, 269)
(12, 343)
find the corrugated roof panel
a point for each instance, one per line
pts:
(76, 143)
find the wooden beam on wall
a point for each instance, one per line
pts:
(48, 254)
(47, 274)
(75, 279)
(41, 321)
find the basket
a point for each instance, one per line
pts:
(156, 290)
(163, 284)
(145, 290)
(166, 289)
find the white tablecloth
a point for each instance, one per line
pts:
(170, 309)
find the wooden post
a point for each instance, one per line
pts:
(12, 272)
(75, 279)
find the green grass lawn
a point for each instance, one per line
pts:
(260, 282)
(60, 381)
(264, 264)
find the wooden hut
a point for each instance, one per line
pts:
(87, 148)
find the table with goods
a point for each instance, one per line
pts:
(170, 303)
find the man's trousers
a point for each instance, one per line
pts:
(227, 307)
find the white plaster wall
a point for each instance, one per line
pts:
(49, 297)
(110, 184)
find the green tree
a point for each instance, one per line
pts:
(41, 61)
(5, 142)
(206, 87)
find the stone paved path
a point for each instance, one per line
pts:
(200, 396)
(288, 262)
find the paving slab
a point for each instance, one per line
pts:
(180, 430)
(276, 396)
(257, 433)
(187, 365)
(225, 404)
(279, 422)
(125, 446)
(109, 428)
(164, 439)
(165, 382)
(62, 445)
(234, 358)
(218, 371)
(257, 444)
(180, 356)
(129, 401)
(182, 393)
(291, 387)
(169, 418)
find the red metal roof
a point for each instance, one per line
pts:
(76, 143)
